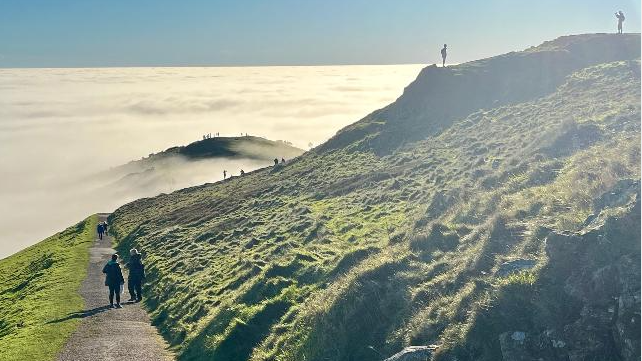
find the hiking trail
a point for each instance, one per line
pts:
(111, 334)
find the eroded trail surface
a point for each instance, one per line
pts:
(106, 333)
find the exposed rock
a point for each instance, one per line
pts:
(413, 353)
(597, 269)
(515, 346)
(515, 266)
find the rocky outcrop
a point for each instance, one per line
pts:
(599, 268)
(515, 266)
(413, 353)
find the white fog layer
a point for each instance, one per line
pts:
(59, 127)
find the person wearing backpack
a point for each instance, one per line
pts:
(620, 19)
(113, 280)
(136, 276)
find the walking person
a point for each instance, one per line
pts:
(100, 229)
(620, 19)
(443, 56)
(136, 276)
(113, 280)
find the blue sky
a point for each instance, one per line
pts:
(89, 33)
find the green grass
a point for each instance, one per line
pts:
(382, 242)
(39, 289)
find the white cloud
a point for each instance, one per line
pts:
(58, 125)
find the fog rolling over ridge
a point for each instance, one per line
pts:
(59, 127)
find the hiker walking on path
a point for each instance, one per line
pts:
(276, 161)
(620, 19)
(136, 276)
(113, 280)
(101, 230)
(443, 56)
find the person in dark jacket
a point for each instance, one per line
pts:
(136, 276)
(100, 229)
(113, 280)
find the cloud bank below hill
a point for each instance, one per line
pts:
(57, 126)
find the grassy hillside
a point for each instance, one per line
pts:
(39, 289)
(428, 222)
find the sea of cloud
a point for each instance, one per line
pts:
(60, 126)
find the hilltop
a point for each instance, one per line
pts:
(446, 218)
(196, 163)
(246, 147)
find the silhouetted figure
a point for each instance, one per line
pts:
(282, 160)
(224, 174)
(443, 55)
(113, 280)
(276, 161)
(100, 229)
(242, 172)
(620, 19)
(105, 227)
(136, 276)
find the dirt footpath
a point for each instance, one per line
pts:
(111, 334)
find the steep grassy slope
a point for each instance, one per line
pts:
(396, 234)
(39, 289)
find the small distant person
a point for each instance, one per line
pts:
(113, 280)
(242, 172)
(276, 161)
(136, 276)
(100, 229)
(444, 53)
(224, 174)
(620, 19)
(105, 227)
(282, 160)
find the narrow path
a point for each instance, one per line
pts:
(111, 334)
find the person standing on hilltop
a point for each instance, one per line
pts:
(136, 276)
(276, 161)
(224, 174)
(620, 19)
(443, 56)
(113, 280)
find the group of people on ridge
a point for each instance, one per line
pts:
(115, 281)
(276, 162)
